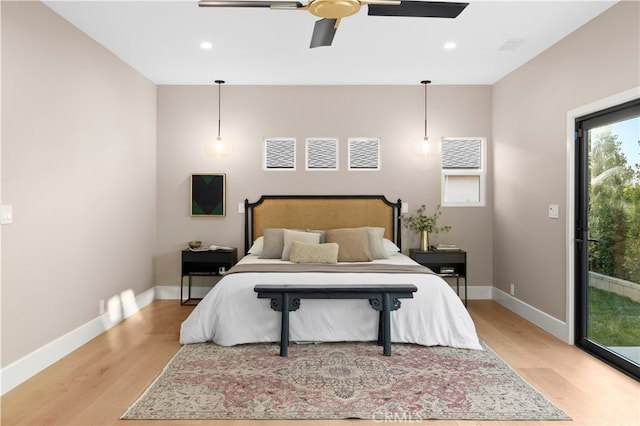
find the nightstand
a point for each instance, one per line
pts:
(446, 264)
(204, 263)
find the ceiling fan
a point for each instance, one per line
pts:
(332, 11)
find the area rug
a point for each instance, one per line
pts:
(338, 381)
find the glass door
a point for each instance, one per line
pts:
(608, 235)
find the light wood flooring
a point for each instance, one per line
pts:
(95, 384)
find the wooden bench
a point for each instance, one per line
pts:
(383, 298)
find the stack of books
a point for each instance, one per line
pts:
(445, 247)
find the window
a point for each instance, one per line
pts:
(463, 171)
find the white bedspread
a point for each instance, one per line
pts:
(232, 314)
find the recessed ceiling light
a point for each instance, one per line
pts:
(450, 45)
(206, 45)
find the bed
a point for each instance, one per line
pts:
(278, 227)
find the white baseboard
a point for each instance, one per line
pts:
(550, 324)
(172, 292)
(476, 292)
(31, 364)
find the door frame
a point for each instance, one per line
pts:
(572, 115)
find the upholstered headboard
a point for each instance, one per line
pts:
(321, 212)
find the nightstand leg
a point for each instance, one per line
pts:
(465, 291)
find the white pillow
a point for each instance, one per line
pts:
(376, 245)
(390, 247)
(256, 248)
(305, 237)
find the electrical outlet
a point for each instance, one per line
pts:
(512, 289)
(101, 308)
(240, 208)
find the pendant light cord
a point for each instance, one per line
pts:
(425, 82)
(219, 82)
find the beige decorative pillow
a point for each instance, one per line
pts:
(376, 245)
(273, 243)
(291, 236)
(313, 253)
(353, 242)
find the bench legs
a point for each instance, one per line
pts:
(384, 321)
(385, 317)
(284, 327)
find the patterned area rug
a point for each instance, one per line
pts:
(337, 381)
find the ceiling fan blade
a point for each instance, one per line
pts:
(251, 3)
(426, 9)
(323, 32)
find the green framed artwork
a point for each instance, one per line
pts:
(207, 195)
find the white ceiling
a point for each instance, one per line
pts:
(161, 39)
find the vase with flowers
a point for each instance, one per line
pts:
(424, 224)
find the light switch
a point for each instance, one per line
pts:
(6, 214)
(240, 208)
(554, 211)
(404, 208)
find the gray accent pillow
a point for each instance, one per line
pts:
(273, 243)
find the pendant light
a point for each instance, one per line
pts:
(219, 147)
(424, 146)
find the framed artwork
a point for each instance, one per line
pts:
(364, 153)
(207, 195)
(321, 154)
(279, 154)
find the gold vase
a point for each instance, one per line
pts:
(424, 240)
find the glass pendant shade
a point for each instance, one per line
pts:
(421, 147)
(424, 146)
(218, 147)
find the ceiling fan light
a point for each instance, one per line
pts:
(334, 9)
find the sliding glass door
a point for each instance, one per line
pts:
(607, 226)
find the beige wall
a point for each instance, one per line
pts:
(78, 166)
(85, 160)
(187, 117)
(530, 151)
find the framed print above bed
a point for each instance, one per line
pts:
(364, 153)
(321, 154)
(279, 154)
(208, 195)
